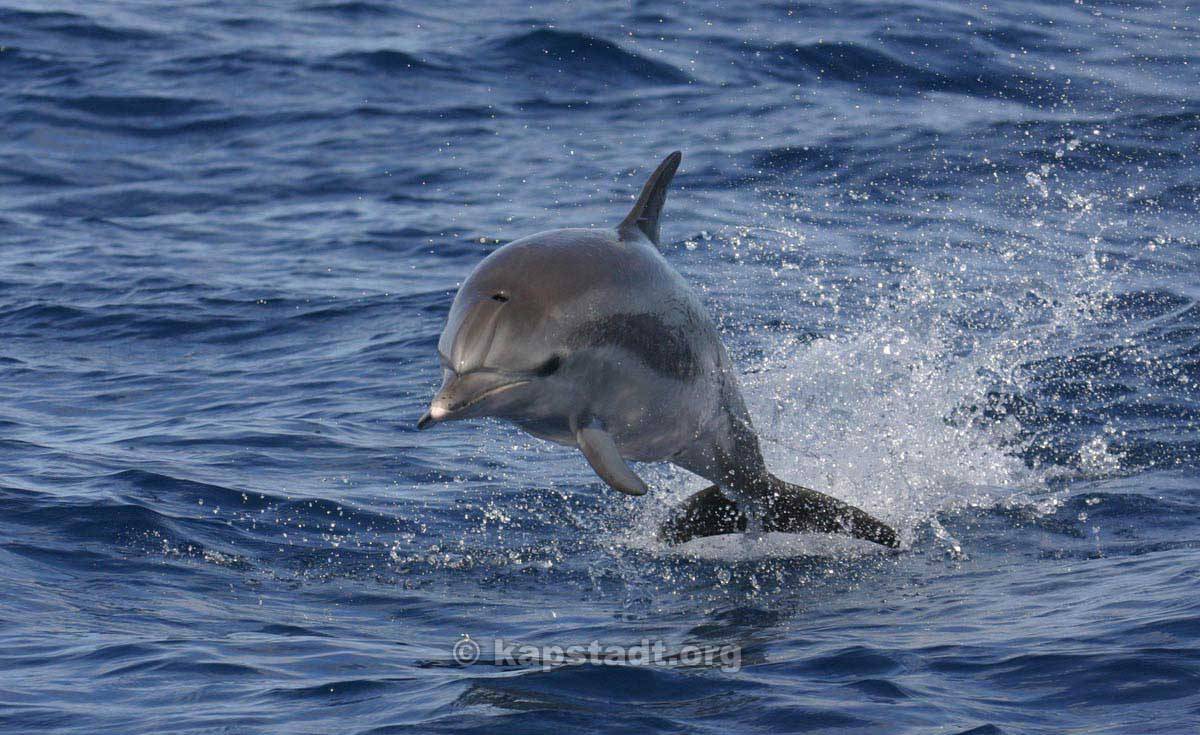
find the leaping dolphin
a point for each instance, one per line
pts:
(589, 338)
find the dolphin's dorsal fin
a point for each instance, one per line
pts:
(644, 215)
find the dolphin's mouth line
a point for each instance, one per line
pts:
(489, 392)
(428, 418)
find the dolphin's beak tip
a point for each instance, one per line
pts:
(424, 421)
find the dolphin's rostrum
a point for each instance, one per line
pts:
(589, 338)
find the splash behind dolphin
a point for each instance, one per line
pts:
(589, 338)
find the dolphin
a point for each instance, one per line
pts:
(589, 338)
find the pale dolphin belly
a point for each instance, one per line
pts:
(652, 413)
(651, 419)
(656, 419)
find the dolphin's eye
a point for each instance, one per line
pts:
(550, 366)
(499, 297)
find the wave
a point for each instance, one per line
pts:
(356, 9)
(575, 59)
(221, 65)
(380, 60)
(71, 25)
(879, 70)
(208, 127)
(15, 60)
(156, 514)
(158, 106)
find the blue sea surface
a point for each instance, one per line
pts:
(953, 248)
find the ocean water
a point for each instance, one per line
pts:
(954, 249)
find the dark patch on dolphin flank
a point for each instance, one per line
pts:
(664, 349)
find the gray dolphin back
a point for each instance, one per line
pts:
(643, 217)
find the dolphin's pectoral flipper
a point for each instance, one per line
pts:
(707, 513)
(796, 509)
(601, 452)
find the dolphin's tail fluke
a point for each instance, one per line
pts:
(707, 513)
(787, 508)
(795, 509)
